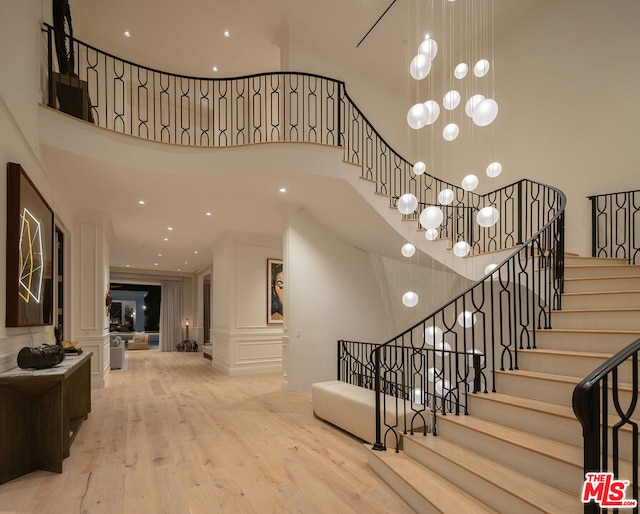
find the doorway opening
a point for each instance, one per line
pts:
(136, 308)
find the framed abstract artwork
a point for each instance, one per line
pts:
(275, 291)
(29, 253)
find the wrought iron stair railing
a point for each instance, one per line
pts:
(615, 224)
(605, 412)
(432, 367)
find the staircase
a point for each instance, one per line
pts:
(520, 449)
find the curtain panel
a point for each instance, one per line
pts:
(170, 315)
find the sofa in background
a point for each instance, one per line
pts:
(117, 352)
(139, 341)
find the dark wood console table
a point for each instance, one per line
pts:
(40, 414)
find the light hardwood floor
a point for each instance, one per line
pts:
(171, 435)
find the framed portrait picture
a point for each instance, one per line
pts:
(29, 253)
(275, 291)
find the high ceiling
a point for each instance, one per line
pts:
(187, 37)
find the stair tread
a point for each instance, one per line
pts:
(615, 277)
(567, 353)
(594, 293)
(442, 494)
(543, 496)
(556, 409)
(555, 377)
(556, 450)
(533, 404)
(604, 260)
(620, 309)
(587, 331)
(539, 374)
(607, 265)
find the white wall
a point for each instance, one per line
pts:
(243, 341)
(568, 81)
(20, 93)
(330, 294)
(337, 291)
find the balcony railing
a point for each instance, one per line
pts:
(139, 101)
(615, 224)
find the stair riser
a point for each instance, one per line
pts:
(571, 365)
(551, 471)
(598, 320)
(486, 492)
(560, 428)
(627, 300)
(587, 342)
(601, 271)
(404, 490)
(547, 390)
(594, 285)
(592, 261)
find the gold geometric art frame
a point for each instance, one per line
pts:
(29, 252)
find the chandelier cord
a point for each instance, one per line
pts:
(377, 21)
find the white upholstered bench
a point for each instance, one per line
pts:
(352, 408)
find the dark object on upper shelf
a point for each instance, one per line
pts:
(73, 96)
(41, 357)
(71, 92)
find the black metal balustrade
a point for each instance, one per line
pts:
(615, 224)
(607, 410)
(151, 104)
(432, 367)
(277, 107)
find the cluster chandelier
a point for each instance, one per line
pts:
(464, 104)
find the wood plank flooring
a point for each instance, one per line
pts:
(172, 435)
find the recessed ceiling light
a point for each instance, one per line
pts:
(283, 189)
(159, 255)
(155, 263)
(208, 213)
(141, 202)
(127, 33)
(186, 262)
(227, 33)
(215, 68)
(166, 239)
(128, 266)
(169, 228)
(179, 269)
(195, 251)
